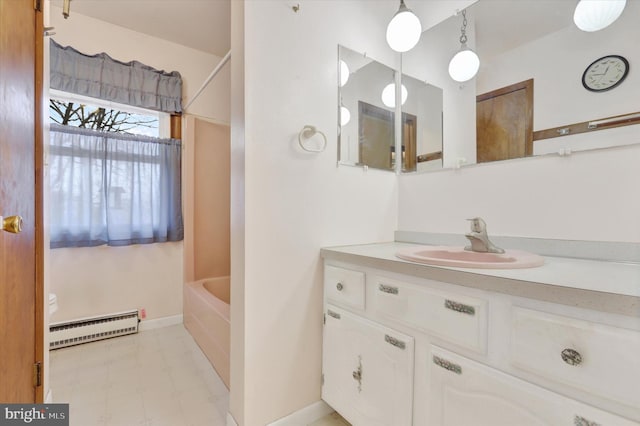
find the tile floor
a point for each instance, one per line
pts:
(153, 378)
(333, 419)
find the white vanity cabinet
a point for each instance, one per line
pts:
(408, 350)
(465, 392)
(367, 370)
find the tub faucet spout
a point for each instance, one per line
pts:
(479, 238)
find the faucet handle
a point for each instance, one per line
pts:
(477, 224)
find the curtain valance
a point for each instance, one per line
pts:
(100, 76)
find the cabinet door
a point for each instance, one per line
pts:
(367, 370)
(464, 392)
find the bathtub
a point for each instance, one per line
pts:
(206, 317)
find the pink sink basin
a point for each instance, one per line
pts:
(460, 258)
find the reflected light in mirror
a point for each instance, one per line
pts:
(389, 95)
(344, 73)
(594, 15)
(464, 65)
(404, 29)
(345, 116)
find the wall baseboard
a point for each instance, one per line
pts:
(308, 414)
(146, 325)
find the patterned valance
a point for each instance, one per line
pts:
(100, 76)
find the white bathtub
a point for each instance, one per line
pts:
(206, 317)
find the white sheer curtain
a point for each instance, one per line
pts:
(115, 189)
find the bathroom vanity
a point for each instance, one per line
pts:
(411, 344)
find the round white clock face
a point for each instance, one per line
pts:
(605, 73)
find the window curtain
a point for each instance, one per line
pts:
(100, 76)
(115, 189)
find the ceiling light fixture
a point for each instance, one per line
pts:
(594, 15)
(465, 64)
(404, 29)
(345, 116)
(344, 73)
(389, 95)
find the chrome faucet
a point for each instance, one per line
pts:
(479, 238)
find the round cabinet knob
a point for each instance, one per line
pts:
(571, 356)
(339, 286)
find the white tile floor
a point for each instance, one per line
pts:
(156, 377)
(153, 378)
(331, 420)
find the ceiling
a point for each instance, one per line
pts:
(204, 25)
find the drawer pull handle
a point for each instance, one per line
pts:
(357, 374)
(339, 286)
(395, 342)
(459, 307)
(388, 289)
(581, 421)
(333, 314)
(571, 356)
(447, 365)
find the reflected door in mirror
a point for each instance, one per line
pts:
(504, 123)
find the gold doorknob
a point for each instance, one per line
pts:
(12, 224)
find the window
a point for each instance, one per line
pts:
(113, 178)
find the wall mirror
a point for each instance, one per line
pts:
(367, 111)
(531, 45)
(366, 125)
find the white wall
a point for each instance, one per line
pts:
(590, 195)
(90, 281)
(294, 202)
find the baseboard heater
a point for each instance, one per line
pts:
(86, 330)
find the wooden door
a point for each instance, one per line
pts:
(21, 298)
(367, 370)
(504, 123)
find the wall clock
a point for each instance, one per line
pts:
(605, 73)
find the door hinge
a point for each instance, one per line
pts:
(324, 319)
(37, 5)
(37, 374)
(322, 380)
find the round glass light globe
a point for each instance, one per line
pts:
(344, 73)
(389, 95)
(594, 15)
(404, 31)
(345, 116)
(464, 65)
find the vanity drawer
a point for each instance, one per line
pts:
(595, 358)
(344, 286)
(450, 316)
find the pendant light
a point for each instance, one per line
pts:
(594, 15)
(465, 64)
(404, 29)
(345, 116)
(389, 95)
(344, 73)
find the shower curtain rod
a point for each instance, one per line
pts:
(208, 80)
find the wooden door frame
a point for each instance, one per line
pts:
(527, 86)
(39, 197)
